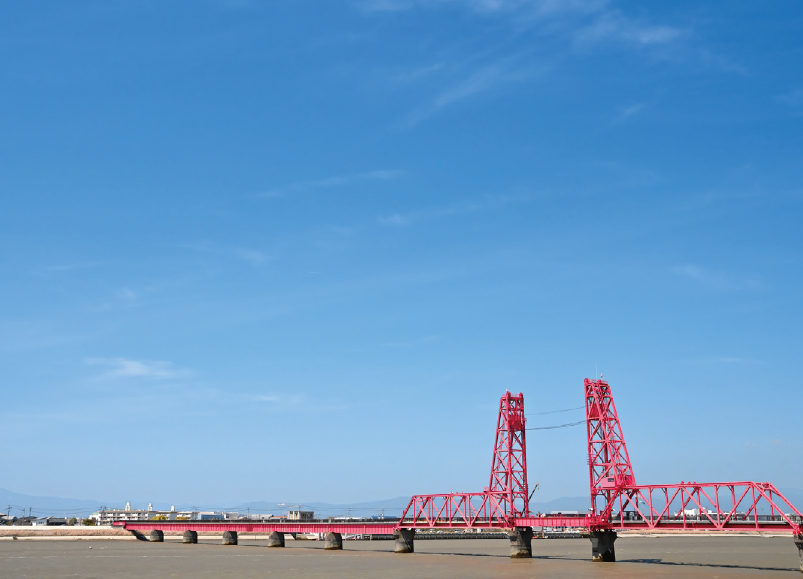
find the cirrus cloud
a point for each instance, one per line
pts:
(127, 368)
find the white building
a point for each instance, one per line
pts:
(108, 516)
(300, 515)
(48, 521)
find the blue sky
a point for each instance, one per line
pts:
(296, 251)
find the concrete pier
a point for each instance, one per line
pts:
(521, 542)
(189, 538)
(602, 546)
(156, 537)
(276, 539)
(799, 543)
(404, 541)
(230, 537)
(334, 542)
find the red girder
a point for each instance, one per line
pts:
(619, 502)
(242, 527)
(457, 510)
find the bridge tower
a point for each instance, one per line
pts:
(508, 486)
(608, 460)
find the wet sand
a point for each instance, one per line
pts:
(570, 558)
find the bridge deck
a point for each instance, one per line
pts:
(260, 527)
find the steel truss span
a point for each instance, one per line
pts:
(617, 502)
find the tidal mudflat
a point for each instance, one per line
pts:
(465, 559)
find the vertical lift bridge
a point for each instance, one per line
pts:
(617, 502)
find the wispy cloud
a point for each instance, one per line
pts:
(733, 360)
(545, 7)
(613, 26)
(717, 279)
(587, 21)
(793, 98)
(386, 5)
(264, 398)
(578, 26)
(416, 73)
(721, 62)
(126, 293)
(477, 82)
(413, 343)
(127, 368)
(722, 361)
(135, 295)
(64, 267)
(277, 403)
(480, 80)
(487, 203)
(336, 181)
(249, 255)
(630, 111)
(395, 219)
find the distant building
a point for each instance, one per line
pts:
(48, 522)
(300, 515)
(262, 517)
(129, 514)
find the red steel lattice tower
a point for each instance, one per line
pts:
(608, 461)
(618, 502)
(509, 469)
(502, 502)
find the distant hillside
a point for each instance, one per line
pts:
(14, 503)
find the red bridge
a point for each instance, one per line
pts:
(617, 502)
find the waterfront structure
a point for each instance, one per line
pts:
(617, 502)
(297, 515)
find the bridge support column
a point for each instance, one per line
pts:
(602, 546)
(230, 537)
(276, 539)
(156, 537)
(521, 546)
(333, 542)
(799, 543)
(189, 537)
(404, 541)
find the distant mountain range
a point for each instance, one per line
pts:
(44, 506)
(14, 503)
